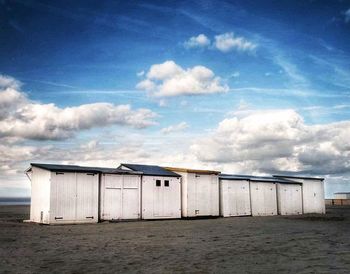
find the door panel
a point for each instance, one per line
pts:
(112, 204)
(65, 196)
(86, 196)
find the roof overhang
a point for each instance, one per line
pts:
(197, 171)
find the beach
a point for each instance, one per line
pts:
(303, 244)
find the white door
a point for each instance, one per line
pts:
(130, 197)
(64, 199)
(87, 196)
(120, 197)
(238, 198)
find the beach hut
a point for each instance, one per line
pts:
(312, 193)
(234, 195)
(200, 192)
(160, 191)
(63, 194)
(120, 194)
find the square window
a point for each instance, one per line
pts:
(166, 183)
(158, 183)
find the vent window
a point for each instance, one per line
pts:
(158, 183)
(166, 183)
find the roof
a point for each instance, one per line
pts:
(266, 179)
(341, 192)
(75, 168)
(298, 177)
(150, 170)
(198, 171)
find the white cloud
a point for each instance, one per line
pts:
(199, 41)
(170, 79)
(347, 16)
(228, 41)
(276, 140)
(174, 128)
(22, 118)
(140, 73)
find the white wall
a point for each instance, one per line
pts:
(263, 198)
(74, 197)
(313, 196)
(120, 197)
(161, 202)
(40, 195)
(200, 194)
(289, 197)
(234, 198)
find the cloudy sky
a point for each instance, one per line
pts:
(247, 87)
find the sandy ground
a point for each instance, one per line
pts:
(303, 244)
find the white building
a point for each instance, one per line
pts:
(63, 194)
(234, 195)
(342, 195)
(312, 193)
(199, 193)
(160, 191)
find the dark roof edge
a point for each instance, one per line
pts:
(298, 177)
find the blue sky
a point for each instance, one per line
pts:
(243, 86)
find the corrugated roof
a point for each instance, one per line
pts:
(256, 178)
(151, 170)
(298, 177)
(198, 171)
(76, 168)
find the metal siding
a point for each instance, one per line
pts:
(263, 199)
(235, 198)
(289, 199)
(161, 202)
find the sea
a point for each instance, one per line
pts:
(14, 201)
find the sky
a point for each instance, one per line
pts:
(245, 87)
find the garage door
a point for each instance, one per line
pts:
(120, 197)
(74, 197)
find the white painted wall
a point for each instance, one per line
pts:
(234, 198)
(200, 194)
(161, 202)
(313, 196)
(74, 197)
(263, 198)
(289, 198)
(40, 195)
(120, 197)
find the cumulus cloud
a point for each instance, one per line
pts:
(174, 128)
(228, 41)
(277, 140)
(23, 118)
(170, 79)
(199, 41)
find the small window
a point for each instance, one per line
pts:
(166, 183)
(158, 183)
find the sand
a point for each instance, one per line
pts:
(303, 244)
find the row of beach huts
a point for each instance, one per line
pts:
(62, 194)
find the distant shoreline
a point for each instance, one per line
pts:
(14, 201)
